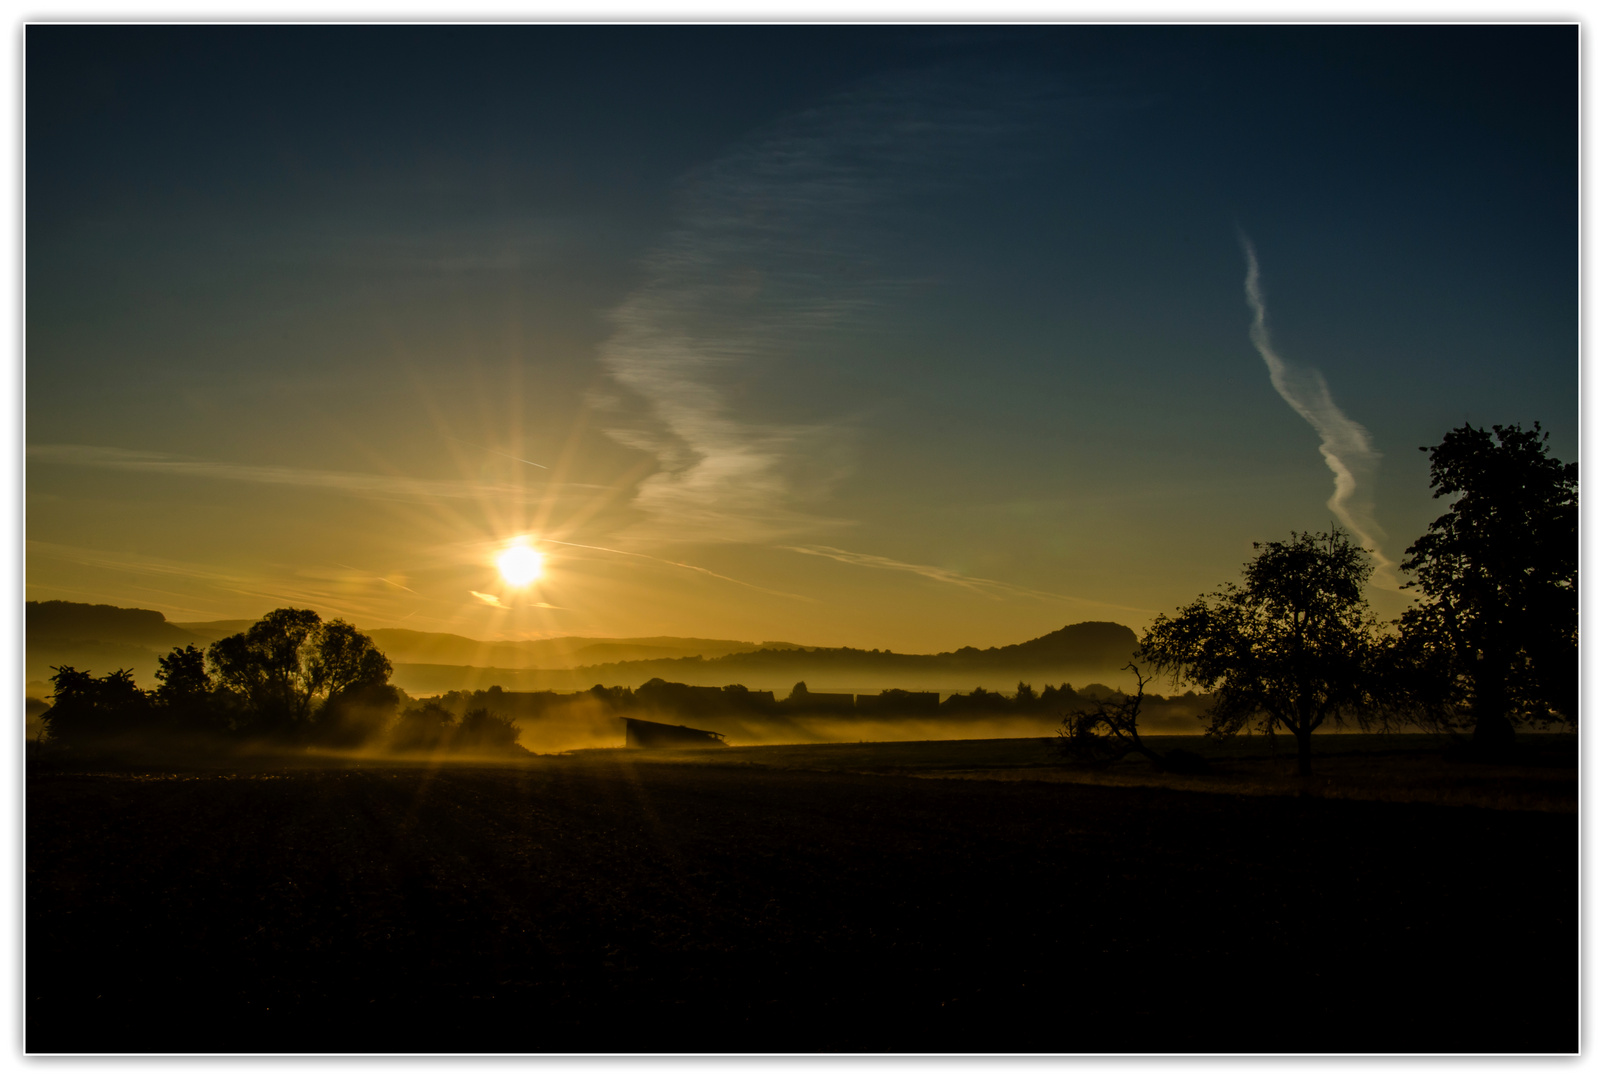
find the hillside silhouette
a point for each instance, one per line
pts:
(100, 637)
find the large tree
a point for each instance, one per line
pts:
(1498, 574)
(1292, 646)
(290, 665)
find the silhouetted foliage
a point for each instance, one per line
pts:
(424, 729)
(290, 663)
(1107, 732)
(978, 702)
(87, 711)
(1496, 638)
(485, 732)
(185, 697)
(1293, 646)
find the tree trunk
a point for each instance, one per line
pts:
(1493, 737)
(1305, 752)
(1494, 734)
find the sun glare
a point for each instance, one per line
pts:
(519, 565)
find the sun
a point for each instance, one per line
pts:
(519, 565)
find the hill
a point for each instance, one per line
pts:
(101, 638)
(1083, 652)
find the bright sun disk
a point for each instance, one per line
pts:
(519, 565)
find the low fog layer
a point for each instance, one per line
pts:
(551, 722)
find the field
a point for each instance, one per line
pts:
(894, 897)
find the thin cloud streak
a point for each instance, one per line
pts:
(983, 586)
(371, 485)
(498, 453)
(275, 594)
(1344, 444)
(681, 565)
(775, 246)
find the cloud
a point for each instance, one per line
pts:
(778, 244)
(370, 485)
(486, 598)
(293, 587)
(681, 565)
(1344, 444)
(984, 586)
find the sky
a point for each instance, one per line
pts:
(905, 337)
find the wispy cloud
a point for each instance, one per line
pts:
(496, 602)
(777, 243)
(681, 565)
(371, 485)
(1344, 444)
(984, 586)
(200, 582)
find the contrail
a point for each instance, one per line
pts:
(681, 565)
(498, 453)
(1344, 444)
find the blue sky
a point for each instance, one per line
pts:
(904, 337)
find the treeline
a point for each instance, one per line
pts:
(1089, 648)
(290, 682)
(680, 701)
(1492, 644)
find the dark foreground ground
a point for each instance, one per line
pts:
(617, 902)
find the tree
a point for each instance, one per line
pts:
(1293, 646)
(354, 677)
(184, 696)
(483, 731)
(88, 710)
(423, 729)
(289, 664)
(1108, 732)
(1499, 575)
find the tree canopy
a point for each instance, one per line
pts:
(87, 710)
(289, 663)
(1498, 573)
(1292, 646)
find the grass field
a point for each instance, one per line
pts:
(1391, 768)
(792, 899)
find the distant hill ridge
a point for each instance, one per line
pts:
(100, 622)
(100, 636)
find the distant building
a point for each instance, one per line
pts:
(803, 700)
(647, 734)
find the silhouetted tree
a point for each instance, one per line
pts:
(87, 710)
(1293, 646)
(484, 731)
(1108, 732)
(978, 702)
(291, 662)
(358, 701)
(423, 729)
(1497, 634)
(184, 696)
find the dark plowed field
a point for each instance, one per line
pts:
(611, 904)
